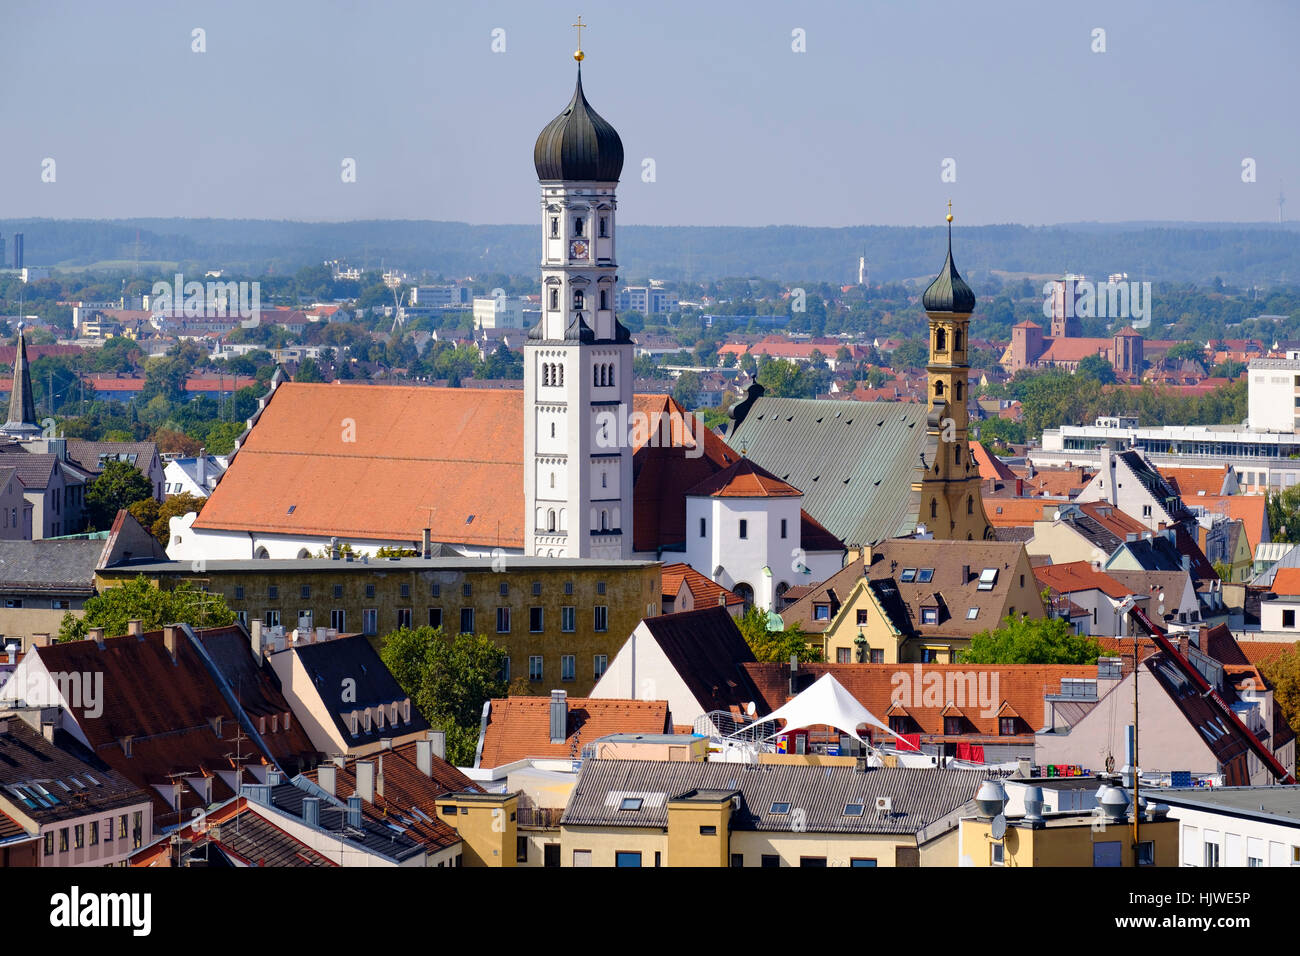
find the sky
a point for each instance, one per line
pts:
(1013, 99)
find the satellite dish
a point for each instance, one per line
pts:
(750, 709)
(999, 827)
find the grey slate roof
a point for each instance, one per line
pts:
(920, 796)
(56, 565)
(388, 841)
(34, 469)
(90, 455)
(853, 461)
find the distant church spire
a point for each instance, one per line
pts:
(22, 408)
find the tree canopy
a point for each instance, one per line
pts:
(448, 679)
(153, 606)
(1026, 641)
(774, 646)
(118, 486)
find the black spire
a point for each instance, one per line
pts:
(22, 408)
(949, 291)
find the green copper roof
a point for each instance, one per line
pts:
(949, 291)
(578, 145)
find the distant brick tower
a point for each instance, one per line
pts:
(1128, 353)
(947, 485)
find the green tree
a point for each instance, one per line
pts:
(771, 645)
(1025, 641)
(118, 486)
(1283, 672)
(448, 679)
(1283, 509)
(172, 507)
(155, 607)
(309, 371)
(686, 390)
(1094, 366)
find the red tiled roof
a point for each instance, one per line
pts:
(1079, 576)
(1250, 510)
(1286, 582)
(704, 591)
(744, 479)
(990, 465)
(878, 686)
(1075, 349)
(520, 727)
(1193, 482)
(1019, 512)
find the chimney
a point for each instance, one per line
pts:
(170, 636)
(379, 779)
(327, 777)
(1020, 487)
(47, 730)
(354, 812)
(439, 740)
(255, 639)
(366, 780)
(334, 549)
(201, 466)
(311, 811)
(12, 651)
(135, 628)
(385, 743)
(559, 716)
(424, 757)
(426, 543)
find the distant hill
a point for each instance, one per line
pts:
(1239, 253)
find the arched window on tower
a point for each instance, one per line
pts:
(552, 479)
(595, 375)
(938, 389)
(958, 387)
(604, 299)
(934, 508)
(611, 374)
(546, 374)
(970, 504)
(604, 520)
(604, 227)
(956, 340)
(602, 479)
(577, 227)
(577, 299)
(550, 520)
(940, 340)
(555, 227)
(559, 375)
(956, 454)
(552, 435)
(555, 298)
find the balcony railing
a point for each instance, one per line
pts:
(540, 818)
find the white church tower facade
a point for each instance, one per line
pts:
(578, 358)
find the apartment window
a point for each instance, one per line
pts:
(925, 575)
(568, 619)
(568, 587)
(988, 578)
(600, 587)
(821, 612)
(929, 615)
(1211, 854)
(997, 854)
(1250, 860)
(817, 861)
(404, 590)
(108, 830)
(770, 860)
(435, 617)
(843, 655)
(121, 826)
(370, 590)
(272, 593)
(239, 592)
(79, 836)
(600, 664)
(370, 620)
(706, 830)
(60, 605)
(505, 670)
(973, 613)
(305, 592)
(1288, 618)
(94, 833)
(1146, 511)
(1007, 726)
(137, 836)
(600, 618)
(862, 616)
(505, 589)
(568, 667)
(877, 656)
(627, 858)
(467, 589)
(952, 726)
(63, 839)
(536, 619)
(271, 619)
(404, 617)
(535, 667)
(521, 849)
(339, 619)
(537, 588)
(744, 529)
(861, 861)
(582, 858)
(467, 620)
(1147, 854)
(503, 620)
(435, 590)
(13, 602)
(49, 843)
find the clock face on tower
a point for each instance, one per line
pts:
(578, 249)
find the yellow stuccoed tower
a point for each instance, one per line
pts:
(947, 485)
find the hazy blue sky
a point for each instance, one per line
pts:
(742, 129)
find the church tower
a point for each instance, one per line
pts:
(947, 485)
(22, 409)
(578, 358)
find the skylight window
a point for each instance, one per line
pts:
(925, 575)
(291, 510)
(780, 809)
(630, 803)
(988, 578)
(853, 810)
(972, 614)
(909, 574)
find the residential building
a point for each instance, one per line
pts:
(518, 728)
(685, 589)
(193, 476)
(1235, 826)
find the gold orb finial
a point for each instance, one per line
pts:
(578, 54)
(950, 210)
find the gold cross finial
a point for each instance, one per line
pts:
(577, 54)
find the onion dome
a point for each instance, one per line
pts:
(949, 291)
(578, 145)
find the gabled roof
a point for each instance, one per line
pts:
(63, 566)
(238, 832)
(706, 649)
(1019, 512)
(705, 592)
(90, 456)
(1287, 582)
(829, 592)
(990, 465)
(353, 659)
(853, 461)
(1193, 482)
(1080, 576)
(520, 727)
(1250, 510)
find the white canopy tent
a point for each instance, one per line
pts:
(825, 704)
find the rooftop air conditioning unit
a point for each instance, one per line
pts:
(884, 805)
